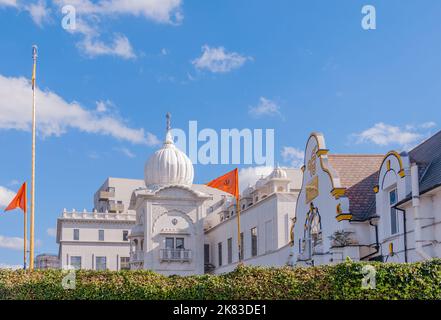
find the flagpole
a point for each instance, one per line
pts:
(238, 228)
(31, 242)
(25, 228)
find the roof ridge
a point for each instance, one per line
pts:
(355, 155)
(424, 141)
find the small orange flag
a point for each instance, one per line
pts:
(19, 200)
(228, 182)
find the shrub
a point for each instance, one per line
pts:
(420, 280)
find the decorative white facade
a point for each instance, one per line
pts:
(99, 239)
(369, 207)
(408, 198)
(167, 224)
(363, 206)
(267, 212)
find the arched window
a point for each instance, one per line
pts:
(312, 233)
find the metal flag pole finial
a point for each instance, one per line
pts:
(168, 116)
(34, 52)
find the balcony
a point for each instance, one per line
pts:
(136, 256)
(106, 195)
(175, 255)
(116, 207)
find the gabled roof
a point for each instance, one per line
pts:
(358, 174)
(427, 155)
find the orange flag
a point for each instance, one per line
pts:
(19, 200)
(228, 182)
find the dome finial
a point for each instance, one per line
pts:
(168, 117)
(168, 136)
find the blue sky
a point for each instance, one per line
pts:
(293, 66)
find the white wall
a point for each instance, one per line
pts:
(271, 212)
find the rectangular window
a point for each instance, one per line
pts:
(219, 249)
(169, 243)
(124, 263)
(242, 251)
(230, 249)
(125, 235)
(254, 241)
(393, 212)
(75, 262)
(101, 263)
(76, 234)
(206, 253)
(180, 243)
(101, 235)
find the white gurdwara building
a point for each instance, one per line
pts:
(167, 224)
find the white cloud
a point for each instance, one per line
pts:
(39, 12)
(55, 115)
(14, 182)
(383, 134)
(295, 157)
(103, 106)
(249, 176)
(120, 47)
(217, 60)
(161, 11)
(8, 3)
(89, 16)
(126, 152)
(265, 107)
(10, 266)
(52, 232)
(6, 196)
(428, 125)
(14, 243)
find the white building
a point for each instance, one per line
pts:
(336, 206)
(167, 224)
(408, 203)
(183, 228)
(369, 207)
(99, 239)
(267, 212)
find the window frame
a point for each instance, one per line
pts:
(102, 258)
(393, 212)
(76, 234)
(219, 254)
(254, 245)
(230, 250)
(101, 232)
(74, 265)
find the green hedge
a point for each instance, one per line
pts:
(342, 281)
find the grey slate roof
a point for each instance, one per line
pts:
(427, 156)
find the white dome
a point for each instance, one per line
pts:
(260, 183)
(168, 165)
(278, 173)
(247, 192)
